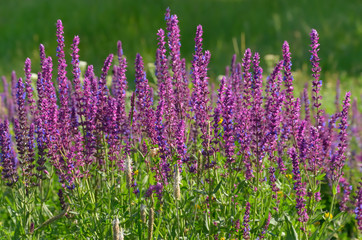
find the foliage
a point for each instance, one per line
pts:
(82, 157)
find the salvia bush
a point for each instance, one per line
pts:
(82, 157)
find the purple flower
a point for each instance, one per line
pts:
(317, 84)
(317, 196)
(200, 96)
(21, 124)
(243, 121)
(76, 73)
(64, 91)
(246, 230)
(218, 110)
(257, 113)
(102, 96)
(338, 159)
(28, 87)
(121, 89)
(266, 226)
(180, 142)
(291, 114)
(358, 204)
(347, 189)
(166, 105)
(7, 155)
(299, 187)
(247, 84)
(306, 104)
(144, 114)
(176, 64)
(273, 180)
(157, 189)
(272, 109)
(42, 55)
(228, 125)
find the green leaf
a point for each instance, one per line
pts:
(145, 180)
(47, 211)
(320, 177)
(200, 191)
(217, 187)
(334, 189)
(291, 233)
(335, 218)
(315, 234)
(207, 222)
(273, 222)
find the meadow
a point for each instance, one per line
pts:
(251, 147)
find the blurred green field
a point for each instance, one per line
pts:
(229, 27)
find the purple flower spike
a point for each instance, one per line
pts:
(121, 91)
(7, 156)
(157, 189)
(317, 84)
(28, 86)
(246, 230)
(144, 113)
(218, 110)
(21, 124)
(180, 142)
(257, 113)
(176, 64)
(102, 83)
(358, 209)
(119, 52)
(290, 105)
(306, 105)
(272, 109)
(103, 94)
(60, 39)
(347, 189)
(165, 88)
(299, 187)
(76, 73)
(227, 123)
(62, 73)
(64, 114)
(339, 158)
(42, 54)
(247, 77)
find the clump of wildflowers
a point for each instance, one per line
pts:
(92, 138)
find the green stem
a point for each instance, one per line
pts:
(178, 219)
(330, 212)
(256, 196)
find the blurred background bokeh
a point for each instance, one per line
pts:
(229, 27)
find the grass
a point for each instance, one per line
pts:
(229, 26)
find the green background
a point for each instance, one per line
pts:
(264, 25)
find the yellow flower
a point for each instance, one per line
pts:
(280, 193)
(135, 173)
(289, 176)
(222, 238)
(328, 215)
(220, 121)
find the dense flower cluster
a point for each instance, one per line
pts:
(181, 130)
